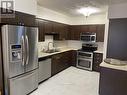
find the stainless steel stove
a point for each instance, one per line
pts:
(85, 56)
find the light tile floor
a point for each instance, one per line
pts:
(71, 81)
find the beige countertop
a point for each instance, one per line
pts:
(124, 68)
(99, 51)
(42, 54)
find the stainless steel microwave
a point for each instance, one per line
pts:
(88, 37)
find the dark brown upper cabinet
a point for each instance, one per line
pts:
(46, 27)
(100, 33)
(40, 24)
(63, 32)
(20, 19)
(76, 31)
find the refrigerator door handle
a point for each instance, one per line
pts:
(23, 51)
(27, 48)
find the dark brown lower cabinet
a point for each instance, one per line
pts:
(62, 61)
(97, 60)
(73, 58)
(113, 82)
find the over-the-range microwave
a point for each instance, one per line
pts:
(88, 37)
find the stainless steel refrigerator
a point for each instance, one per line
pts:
(20, 59)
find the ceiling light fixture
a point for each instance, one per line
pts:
(87, 11)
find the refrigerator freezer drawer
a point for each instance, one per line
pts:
(24, 84)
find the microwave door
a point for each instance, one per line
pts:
(31, 40)
(85, 38)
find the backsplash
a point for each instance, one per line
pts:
(78, 44)
(74, 44)
(58, 44)
(63, 44)
(44, 45)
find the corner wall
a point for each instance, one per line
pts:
(93, 19)
(117, 11)
(48, 14)
(26, 6)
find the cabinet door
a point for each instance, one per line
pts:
(61, 62)
(92, 28)
(40, 24)
(112, 82)
(62, 32)
(66, 60)
(56, 64)
(73, 58)
(26, 19)
(100, 33)
(75, 32)
(98, 58)
(84, 28)
(48, 27)
(20, 19)
(56, 27)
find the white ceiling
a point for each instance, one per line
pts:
(68, 7)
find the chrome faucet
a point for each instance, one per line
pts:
(49, 44)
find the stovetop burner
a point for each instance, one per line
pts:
(89, 47)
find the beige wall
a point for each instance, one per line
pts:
(93, 19)
(58, 17)
(48, 14)
(26, 6)
(118, 11)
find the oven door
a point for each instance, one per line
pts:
(86, 55)
(84, 63)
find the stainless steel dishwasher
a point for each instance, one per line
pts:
(44, 69)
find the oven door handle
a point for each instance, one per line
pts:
(85, 59)
(85, 52)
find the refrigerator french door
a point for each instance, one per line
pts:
(20, 59)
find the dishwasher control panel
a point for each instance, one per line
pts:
(15, 53)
